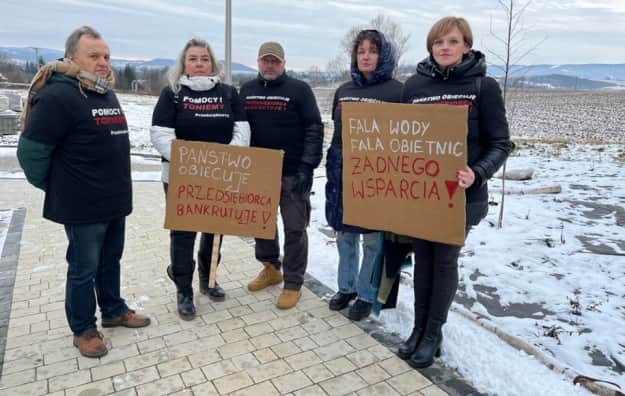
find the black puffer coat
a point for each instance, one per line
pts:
(488, 140)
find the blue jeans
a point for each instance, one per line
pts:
(350, 279)
(93, 256)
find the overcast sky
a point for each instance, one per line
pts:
(574, 31)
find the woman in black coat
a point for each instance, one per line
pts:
(372, 65)
(453, 74)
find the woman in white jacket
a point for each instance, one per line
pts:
(195, 106)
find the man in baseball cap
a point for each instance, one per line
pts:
(271, 48)
(283, 115)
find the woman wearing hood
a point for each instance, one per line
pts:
(455, 71)
(372, 65)
(195, 106)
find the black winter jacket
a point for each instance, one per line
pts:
(488, 139)
(283, 115)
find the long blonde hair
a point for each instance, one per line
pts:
(178, 70)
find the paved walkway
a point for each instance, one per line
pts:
(242, 346)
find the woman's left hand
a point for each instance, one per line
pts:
(465, 177)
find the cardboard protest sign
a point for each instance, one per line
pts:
(399, 169)
(223, 189)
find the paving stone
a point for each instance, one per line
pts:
(265, 355)
(291, 333)
(148, 359)
(265, 341)
(340, 366)
(269, 370)
(373, 374)
(258, 329)
(55, 369)
(305, 343)
(180, 337)
(234, 336)
(238, 348)
(432, 390)
(343, 384)
(70, 380)
(102, 387)
(60, 355)
(151, 345)
(205, 389)
(314, 390)
(291, 382)
(193, 377)
(135, 378)
(163, 386)
(232, 382)
(362, 358)
(15, 379)
(240, 311)
(363, 341)
(245, 362)
(334, 350)
(16, 365)
(408, 382)
(381, 389)
(259, 317)
(394, 366)
(107, 370)
(219, 369)
(285, 349)
(303, 360)
(204, 358)
(262, 389)
(32, 388)
(318, 373)
(173, 367)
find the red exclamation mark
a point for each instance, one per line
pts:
(452, 186)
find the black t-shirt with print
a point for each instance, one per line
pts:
(89, 175)
(206, 116)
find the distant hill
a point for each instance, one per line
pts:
(562, 82)
(587, 71)
(21, 55)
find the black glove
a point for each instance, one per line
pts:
(303, 179)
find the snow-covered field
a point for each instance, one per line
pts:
(553, 276)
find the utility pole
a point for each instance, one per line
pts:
(228, 60)
(36, 56)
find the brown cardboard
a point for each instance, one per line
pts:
(223, 189)
(399, 169)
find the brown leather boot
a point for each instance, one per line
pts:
(127, 319)
(269, 276)
(90, 344)
(288, 298)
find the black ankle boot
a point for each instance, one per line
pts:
(216, 293)
(360, 310)
(186, 309)
(429, 346)
(407, 348)
(341, 300)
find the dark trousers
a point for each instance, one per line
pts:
(436, 270)
(295, 212)
(93, 255)
(435, 278)
(181, 256)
